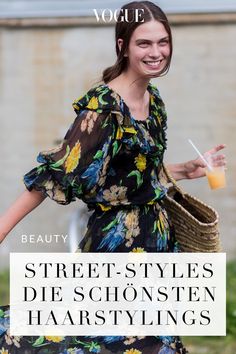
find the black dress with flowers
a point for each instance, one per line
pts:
(112, 162)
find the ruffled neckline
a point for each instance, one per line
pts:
(103, 98)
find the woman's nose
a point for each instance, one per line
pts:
(155, 51)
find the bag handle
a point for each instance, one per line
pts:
(170, 179)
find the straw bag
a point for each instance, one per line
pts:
(195, 223)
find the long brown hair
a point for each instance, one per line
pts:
(124, 30)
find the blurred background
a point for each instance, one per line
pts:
(52, 52)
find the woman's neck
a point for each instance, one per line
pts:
(131, 90)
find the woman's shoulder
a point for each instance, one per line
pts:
(154, 91)
(98, 98)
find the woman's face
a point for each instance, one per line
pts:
(149, 49)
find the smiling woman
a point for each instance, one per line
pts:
(137, 39)
(150, 44)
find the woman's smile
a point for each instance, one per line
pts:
(153, 64)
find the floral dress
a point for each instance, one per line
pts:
(112, 162)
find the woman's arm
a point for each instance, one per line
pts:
(196, 168)
(18, 210)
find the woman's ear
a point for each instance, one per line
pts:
(120, 43)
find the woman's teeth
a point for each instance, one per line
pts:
(153, 63)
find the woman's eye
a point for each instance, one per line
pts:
(163, 43)
(143, 45)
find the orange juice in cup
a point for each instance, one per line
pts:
(216, 177)
(215, 174)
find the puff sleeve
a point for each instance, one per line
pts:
(78, 165)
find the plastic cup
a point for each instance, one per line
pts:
(215, 175)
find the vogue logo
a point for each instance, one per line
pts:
(127, 15)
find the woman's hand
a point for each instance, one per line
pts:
(196, 168)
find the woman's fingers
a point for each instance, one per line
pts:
(219, 160)
(220, 163)
(216, 149)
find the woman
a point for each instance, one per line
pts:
(111, 158)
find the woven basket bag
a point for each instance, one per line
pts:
(195, 223)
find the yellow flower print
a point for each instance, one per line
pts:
(140, 162)
(119, 133)
(159, 119)
(132, 351)
(138, 250)
(4, 351)
(73, 158)
(74, 104)
(130, 130)
(93, 103)
(152, 99)
(151, 202)
(54, 339)
(104, 207)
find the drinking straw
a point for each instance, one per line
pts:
(200, 155)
